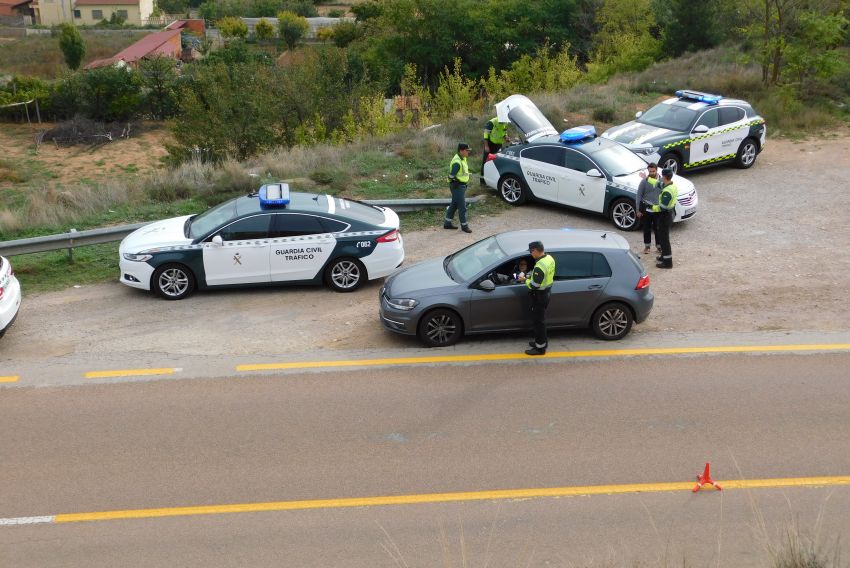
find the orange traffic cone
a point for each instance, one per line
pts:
(705, 479)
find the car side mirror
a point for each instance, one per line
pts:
(701, 129)
(216, 241)
(639, 114)
(594, 173)
(486, 285)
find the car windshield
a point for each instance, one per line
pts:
(210, 219)
(465, 264)
(672, 117)
(618, 160)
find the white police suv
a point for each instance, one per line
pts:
(576, 169)
(694, 130)
(272, 237)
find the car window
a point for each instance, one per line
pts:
(728, 115)
(548, 154)
(465, 264)
(296, 225)
(254, 227)
(577, 264)
(709, 118)
(211, 219)
(673, 117)
(618, 160)
(578, 162)
(333, 226)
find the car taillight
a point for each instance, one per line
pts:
(491, 157)
(388, 238)
(643, 282)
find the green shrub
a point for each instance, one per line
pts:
(336, 13)
(232, 27)
(604, 114)
(264, 30)
(72, 45)
(291, 27)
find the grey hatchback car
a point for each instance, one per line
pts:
(599, 283)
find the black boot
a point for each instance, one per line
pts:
(465, 228)
(666, 263)
(536, 351)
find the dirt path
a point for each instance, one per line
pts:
(768, 251)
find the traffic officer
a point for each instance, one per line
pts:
(539, 288)
(495, 133)
(458, 180)
(665, 210)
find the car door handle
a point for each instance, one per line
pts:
(595, 287)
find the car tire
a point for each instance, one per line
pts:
(345, 275)
(672, 161)
(623, 214)
(612, 321)
(512, 190)
(173, 281)
(440, 328)
(747, 153)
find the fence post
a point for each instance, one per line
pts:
(71, 247)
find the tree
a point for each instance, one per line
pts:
(689, 29)
(264, 30)
(173, 6)
(72, 45)
(232, 27)
(159, 80)
(110, 94)
(291, 28)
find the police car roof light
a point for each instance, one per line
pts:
(577, 134)
(274, 194)
(706, 98)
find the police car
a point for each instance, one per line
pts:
(270, 237)
(10, 296)
(576, 168)
(694, 130)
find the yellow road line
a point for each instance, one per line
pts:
(128, 373)
(550, 355)
(418, 499)
(9, 379)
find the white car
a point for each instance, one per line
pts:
(272, 237)
(10, 295)
(574, 169)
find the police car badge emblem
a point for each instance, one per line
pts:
(237, 259)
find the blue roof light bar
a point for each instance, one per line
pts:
(577, 134)
(706, 98)
(274, 195)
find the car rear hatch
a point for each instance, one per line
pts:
(525, 116)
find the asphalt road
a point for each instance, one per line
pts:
(432, 429)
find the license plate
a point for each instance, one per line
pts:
(689, 211)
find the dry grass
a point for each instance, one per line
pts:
(40, 56)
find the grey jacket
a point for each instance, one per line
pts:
(647, 193)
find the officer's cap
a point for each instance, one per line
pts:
(462, 146)
(535, 245)
(667, 172)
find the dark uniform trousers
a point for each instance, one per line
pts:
(494, 148)
(662, 237)
(458, 202)
(539, 303)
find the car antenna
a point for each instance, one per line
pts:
(604, 235)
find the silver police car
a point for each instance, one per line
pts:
(599, 283)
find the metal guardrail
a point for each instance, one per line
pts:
(76, 238)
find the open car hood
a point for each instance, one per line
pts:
(525, 116)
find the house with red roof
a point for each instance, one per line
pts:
(13, 8)
(90, 12)
(167, 42)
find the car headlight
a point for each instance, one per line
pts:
(138, 257)
(405, 304)
(646, 150)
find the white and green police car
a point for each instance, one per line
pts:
(272, 237)
(694, 130)
(576, 169)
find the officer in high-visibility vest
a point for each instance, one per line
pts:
(495, 133)
(539, 284)
(458, 180)
(666, 210)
